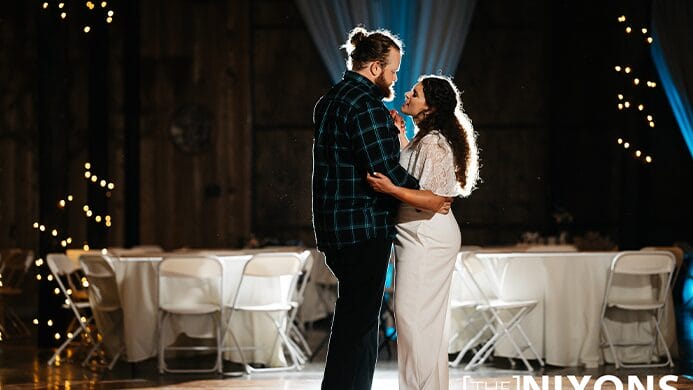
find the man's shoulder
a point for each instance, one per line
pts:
(351, 93)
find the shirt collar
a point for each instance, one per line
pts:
(350, 75)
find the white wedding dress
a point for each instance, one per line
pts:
(426, 248)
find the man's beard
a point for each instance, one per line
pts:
(387, 91)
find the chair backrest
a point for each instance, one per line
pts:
(61, 267)
(478, 277)
(103, 288)
(273, 265)
(284, 267)
(643, 263)
(190, 279)
(14, 265)
(306, 269)
(629, 267)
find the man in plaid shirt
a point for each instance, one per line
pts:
(354, 225)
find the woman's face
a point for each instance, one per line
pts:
(415, 101)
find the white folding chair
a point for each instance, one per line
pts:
(104, 298)
(502, 317)
(285, 269)
(627, 270)
(14, 264)
(65, 271)
(190, 286)
(464, 299)
(295, 331)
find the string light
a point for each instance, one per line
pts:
(65, 7)
(625, 104)
(35, 321)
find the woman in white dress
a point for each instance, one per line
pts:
(443, 156)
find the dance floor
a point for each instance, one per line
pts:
(24, 367)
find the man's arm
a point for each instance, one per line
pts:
(374, 138)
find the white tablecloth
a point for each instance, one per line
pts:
(565, 326)
(137, 279)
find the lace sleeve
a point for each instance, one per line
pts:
(437, 166)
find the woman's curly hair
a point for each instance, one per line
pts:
(446, 115)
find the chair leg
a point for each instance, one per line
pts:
(617, 361)
(664, 343)
(63, 346)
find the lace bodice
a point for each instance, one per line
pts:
(432, 162)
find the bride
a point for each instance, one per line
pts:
(443, 156)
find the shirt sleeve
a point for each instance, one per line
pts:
(438, 167)
(376, 144)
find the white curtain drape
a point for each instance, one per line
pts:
(433, 32)
(672, 52)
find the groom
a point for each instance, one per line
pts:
(354, 226)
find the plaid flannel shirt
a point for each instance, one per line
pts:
(354, 135)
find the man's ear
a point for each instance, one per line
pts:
(375, 69)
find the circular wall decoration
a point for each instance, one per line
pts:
(191, 128)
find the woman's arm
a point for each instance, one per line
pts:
(420, 199)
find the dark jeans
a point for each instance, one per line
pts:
(353, 348)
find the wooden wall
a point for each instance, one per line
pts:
(537, 80)
(195, 54)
